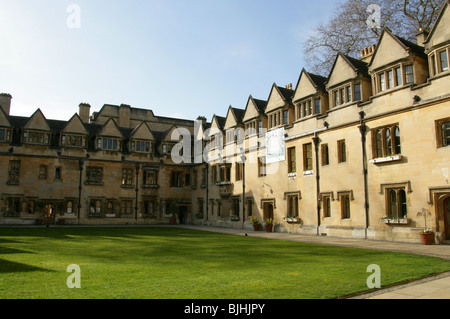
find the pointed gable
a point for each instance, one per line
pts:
(278, 97)
(344, 69)
(234, 117)
(110, 128)
(37, 121)
(309, 84)
(440, 33)
(254, 109)
(143, 132)
(75, 125)
(391, 49)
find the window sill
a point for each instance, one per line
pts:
(393, 158)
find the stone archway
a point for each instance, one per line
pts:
(268, 211)
(444, 205)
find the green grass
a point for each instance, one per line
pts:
(173, 263)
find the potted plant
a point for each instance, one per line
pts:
(269, 225)
(256, 224)
(427, 234)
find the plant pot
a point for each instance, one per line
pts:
(427, 238)
(269, 228)
(257, 227)
(60, 221)
(173, 221)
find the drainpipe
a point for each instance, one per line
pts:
(137, 191)
(316, 141)
(363, 130)
(207, 190)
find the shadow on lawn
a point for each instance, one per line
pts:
(7, 266)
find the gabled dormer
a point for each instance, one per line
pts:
(234, 127)
(437, 44)
(74, 134)
(109, 138)
(348, 82)
(215, 133)
(255, 120)
(6, 128)
(397, 63)
(167, 142)
(37, 130)
(280, 110)
(311, 97)
(142, 139)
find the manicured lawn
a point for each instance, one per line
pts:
(172, 263)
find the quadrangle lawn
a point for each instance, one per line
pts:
(173, 263)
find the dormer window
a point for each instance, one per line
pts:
(108, 143)
(5, 135)
(36, 137)
(349, 93)
(141, 146)
(73, 140)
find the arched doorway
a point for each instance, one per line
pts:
(446, 211)
(49, 213)
(268, 211)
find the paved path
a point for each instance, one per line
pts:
(435, 287)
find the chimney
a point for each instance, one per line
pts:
(289, 86)
(5, 102)
(84, 111)
(124, 115)
(202, 119)
(422, 36)
(367, 53)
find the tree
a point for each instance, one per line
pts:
(359, 23)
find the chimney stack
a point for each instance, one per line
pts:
(289, 86)
(5, 102)
(422, 36)
(84, 110)
(367, 53)
(124, 115)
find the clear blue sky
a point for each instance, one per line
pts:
(179, 58)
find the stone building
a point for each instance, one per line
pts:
(356, 154)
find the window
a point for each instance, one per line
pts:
(127, 177)
(58, 174)
(73, 140)
(443, 61)
(69, 207)
(126, 207)
(13, 206)
(382, 82)
(34, 137)
(317, 106)
(292, 166)
(349, 94)
(345, 206)
(336, 98)
(187, 179)
(239, 171)
(109, 144)
(307, 157)
(390, 79)
(357, 92)
(292, 206)
(443, 132)
(194, 178)
(139, 146)
(13, 172)
(262, 168)
(151, 208)
(325, 154)
(225, 173)
(95, 208)
(396, 203)
(326, 205)
(249, 207)
(5, 135)
(43, 172)
(342, 151)
(409, 74)
(150, 178)
(398, 76)
(285, 117)
(175, 180)
(94, 175)
(386, 141)
(200, 207)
